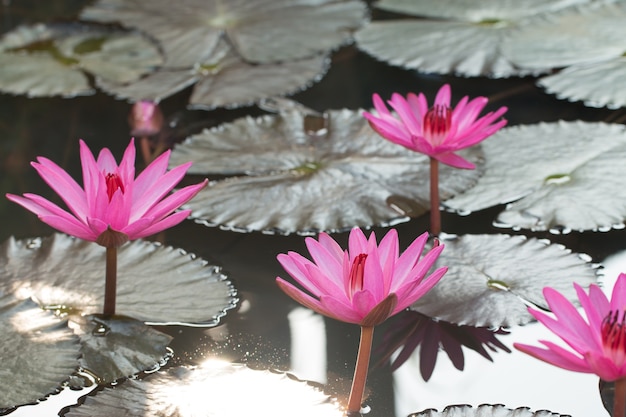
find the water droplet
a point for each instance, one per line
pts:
(495, 284)
(404, 206)
(100, 329)
(33, 243)
(560, 230)
(557, 179)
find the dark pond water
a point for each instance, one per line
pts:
(266, 331)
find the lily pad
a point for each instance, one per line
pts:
(119, 347)
(560, 176)
(292, 181)
(462, 37)
(54, 59)
(39, 352)
(260, 31)
(223, 79)
(597, 84)
(583, 34)
(156, 284)
(492, 279)
(486, 410)
(213, 389)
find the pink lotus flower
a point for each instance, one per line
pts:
(598, 344)
(365, 284)
(439, 131)
(112, 199)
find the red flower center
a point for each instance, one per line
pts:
(114, 183)
(437, 123)
(356, 273)
(614, 336)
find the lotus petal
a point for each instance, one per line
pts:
(261, 31)
(491, 279)
(39, 352)
(212, 389)
(485, 410)
(560, 176)
(303, 183)
(119, 347)
(156, 284)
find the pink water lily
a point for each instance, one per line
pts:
(437, 131)
(597, 344)
(365, 284)
(111, 199)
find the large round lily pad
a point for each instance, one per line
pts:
(156, 284)
(287, 180)
(38, 350)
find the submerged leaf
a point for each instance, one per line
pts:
(119, 347)
(299, 182)
(261, 31)
(491, 279)
(39, 352)
(211, 390)
(51, 59)
(156, 284)
(562, 176)
(485, 410)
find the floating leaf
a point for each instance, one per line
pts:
(578, 35)
(261, 31)
(51, 60)
(38, 351)
(491, 279)
(296, 182)
(564, 176)
(157, 284)
(224, 80)
(118, 347)
(485, 410)
(463, 38)
(213, 389)
(595, 84)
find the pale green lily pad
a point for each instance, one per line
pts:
(485, 410)
(223, 79)
(470, 10)
(463, 37)
(492, 279)
(156, 284)
(340, 176)
(578, 35)
(558, 176)
(39, 352)
(53, 59)
(213, 389)
(119, 347)
(261, 31)
(598, 84)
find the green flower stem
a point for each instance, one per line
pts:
(435, 215)
(110, 286)
(360, 371)
(619, 400)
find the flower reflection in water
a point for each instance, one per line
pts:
(413, 329)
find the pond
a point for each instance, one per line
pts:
(463, 354)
